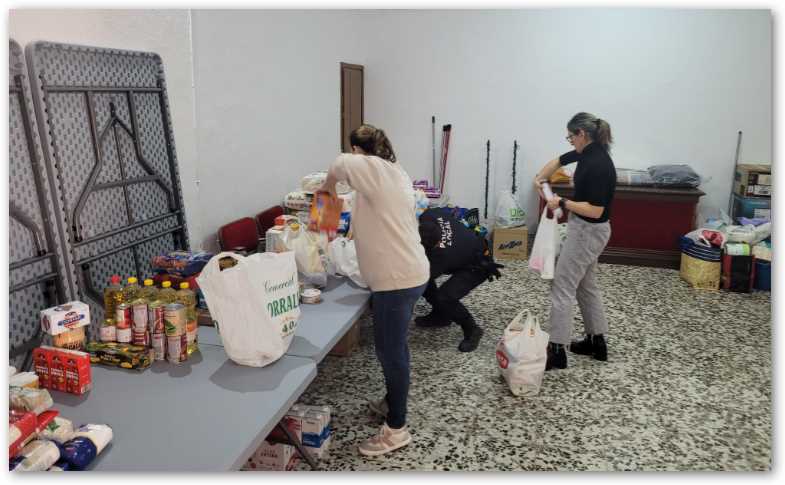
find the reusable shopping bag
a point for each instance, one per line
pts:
(522, 354)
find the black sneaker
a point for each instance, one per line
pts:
(557, 357)
(431, 320)
(593, 345)
(470, 343)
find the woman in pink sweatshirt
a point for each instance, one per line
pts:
(391, 260)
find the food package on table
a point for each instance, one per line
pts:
(33, 400)
(58, 429)
(298, 201)
(286, 219)
(71, 339)
(24, 379)
(273, 240)
(314, 181)
(88, 442)
(181, 263)
(65, 317)
(21, 429)
(38, 456)
(63, 369)
(116, 354)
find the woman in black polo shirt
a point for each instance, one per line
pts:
(588, 232)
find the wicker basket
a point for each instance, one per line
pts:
(702, 275)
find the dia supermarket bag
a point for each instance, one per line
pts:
(522, 353)
(546, 244)
(255, 304)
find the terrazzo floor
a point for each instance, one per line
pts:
(687, 386)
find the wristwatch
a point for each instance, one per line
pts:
(563, 204)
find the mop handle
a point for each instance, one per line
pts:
(546, 189)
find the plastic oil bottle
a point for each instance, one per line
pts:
(167, 294)
(113, 296)
(131, 290)
(149, 292)
(187, 298)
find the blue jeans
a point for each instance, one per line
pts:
(392, 311)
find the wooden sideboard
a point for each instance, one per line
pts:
(646, 223)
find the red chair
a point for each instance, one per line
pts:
(266, 219)
(239, 236)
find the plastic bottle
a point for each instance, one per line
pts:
(113, 295)
(131, 290)
(149, 291)
(187, 298)
(167, 294)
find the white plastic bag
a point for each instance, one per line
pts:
(343, 260)
(310, 254)
(543, 256)
(508, 212)
(256, 305)
(522, 353)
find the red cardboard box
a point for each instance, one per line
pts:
(63, 369)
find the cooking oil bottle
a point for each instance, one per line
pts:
(187, 298)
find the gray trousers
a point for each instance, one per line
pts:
(575, 277)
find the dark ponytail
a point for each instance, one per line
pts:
(598, 129)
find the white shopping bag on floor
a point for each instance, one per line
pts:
(256, 304)
(342, 255)
(543, 256)
(522, 353)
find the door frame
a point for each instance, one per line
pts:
(362, 98)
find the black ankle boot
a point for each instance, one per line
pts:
(431, 320)
(471, 339)
(557, 357)
(593, 345)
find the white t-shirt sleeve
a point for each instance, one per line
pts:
(357, 171)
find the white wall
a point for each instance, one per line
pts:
(166, 32)
(675, 85)
(267, 103)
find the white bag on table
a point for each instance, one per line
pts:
(256, 305)
(343, 260)
(310, 254)
(546, 245)
(522, 353)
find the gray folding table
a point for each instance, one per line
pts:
(207, 414)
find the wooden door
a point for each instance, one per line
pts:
(352, 109)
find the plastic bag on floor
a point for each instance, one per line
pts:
(546, 241)
(255, 304)
(522, 354)
(508, 212)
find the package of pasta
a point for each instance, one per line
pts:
(33, 400)
(38, 456)
(58, 429)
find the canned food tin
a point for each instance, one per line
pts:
(155, 317)
(124, 335)
(140, 338)
(140, 316)
(108, 333)
(177, 349)
(158, 341)
(123, 316)
(311, 295)
(174, 320)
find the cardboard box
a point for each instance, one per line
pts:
(349, 341)
(510, 243)
(752, 180)
(274, 457)
(65, 317)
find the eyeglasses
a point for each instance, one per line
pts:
(569, 137)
